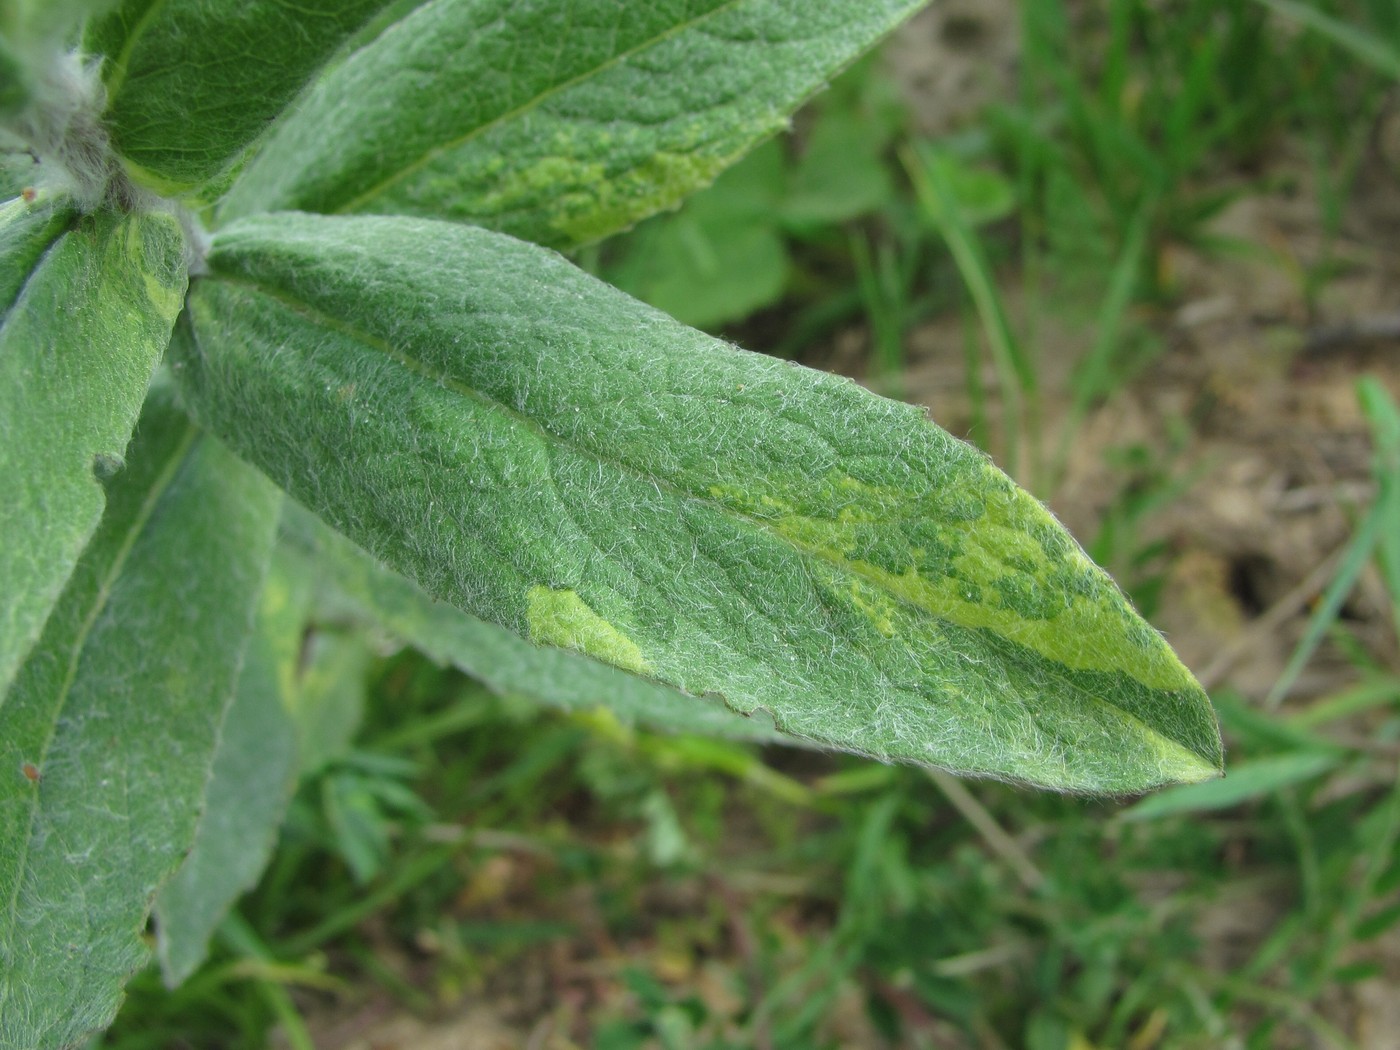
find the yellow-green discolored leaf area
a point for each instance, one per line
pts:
(108, 735)
(89, 304)
(563, 619)
(352, 579)
(457, 111)
(548, 454)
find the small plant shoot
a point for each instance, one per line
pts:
(282, 302)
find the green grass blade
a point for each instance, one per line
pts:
(191, 85)
(91, 313)
(241, 938)
(618, 117)
(1368, 694)
(1247, 781)
(1377, 534)
(106, 739)
(1357, 553)
(1383, 57)
(1094, 378)
(1384, 418)
(1015, 373)
(546, 453)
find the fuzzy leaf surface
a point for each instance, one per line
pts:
(191, 83)
(91, 313)
(542, 451)
(505, 662)
(27, 230)
(14, 82)
(459, 110)
(250, 784)
(34, 24)
(17, 171)
(106, 739)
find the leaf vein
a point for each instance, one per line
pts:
(818, 554)
(529, 105)
(99, 603)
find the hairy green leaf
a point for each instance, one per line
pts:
(191, 83)
(27, 230)
(250, 784)
(458, 111)
(91, 313)
(546, 453)
(107, 737)
(721, 256)
(503, 661)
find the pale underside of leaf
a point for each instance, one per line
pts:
(106, 740)
(78, 345)
(460, 110)
(190, 85)
(503, 661)
(28, 229)
(250, 784)
(491, 421)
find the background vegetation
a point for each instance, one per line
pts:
(1144, 252)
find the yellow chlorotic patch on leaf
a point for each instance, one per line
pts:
(875, 605)
(563, 619)
(604, 204)
(163, 295)
(581, 199)
(989, 568)
(1180, 764)
(275, 602)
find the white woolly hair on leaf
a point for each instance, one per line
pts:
(197, 242)
(62, 124)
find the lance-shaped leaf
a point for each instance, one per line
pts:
(253, 773)
(546, 453)
(91, 313)
(191, 83)
(460, 110)
(106, 739)
(500, 659)
(27, 230)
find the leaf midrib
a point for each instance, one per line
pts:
(104, 592)
(450, 382)
(527, 106)
(120, 65)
